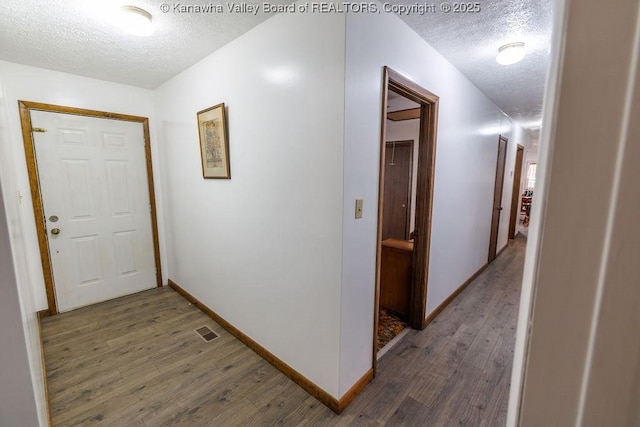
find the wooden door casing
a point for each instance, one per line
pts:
(425, 175)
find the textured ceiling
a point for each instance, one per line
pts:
(75, 36)
(470, 41)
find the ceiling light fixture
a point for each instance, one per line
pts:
(136, 21)
(510, 53)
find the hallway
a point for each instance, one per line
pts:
(457, 370)
(136, 361)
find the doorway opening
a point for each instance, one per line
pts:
(515, 194)
(407, 165)
(527, 193)
(92, 189)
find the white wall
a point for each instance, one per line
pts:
(18, 402)
(263, 249)
(577, 346)
(468, 129)
(403, 130)
(21, 82)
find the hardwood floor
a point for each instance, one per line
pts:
(136, 361)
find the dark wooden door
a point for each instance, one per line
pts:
(497, 197)
(515, 195)
(398, 170)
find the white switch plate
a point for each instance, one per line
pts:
(358, 208)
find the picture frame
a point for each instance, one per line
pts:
(214, 142)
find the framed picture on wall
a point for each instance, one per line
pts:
(214, 142)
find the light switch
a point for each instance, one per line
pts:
(358, 208)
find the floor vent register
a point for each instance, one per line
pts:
(206, 333)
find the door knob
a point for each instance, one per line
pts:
(55, 231)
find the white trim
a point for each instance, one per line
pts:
(536, 224)
(392, 343)
(615, 190)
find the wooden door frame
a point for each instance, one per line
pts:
(515, 195)
(497, 196)
(392, 80)
(36, 195)
(410, 143)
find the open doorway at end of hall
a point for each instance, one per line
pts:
(406, 180)
(522, 193)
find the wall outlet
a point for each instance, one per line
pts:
(358, 208)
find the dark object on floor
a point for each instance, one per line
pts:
(389, 325)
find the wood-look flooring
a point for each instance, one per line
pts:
(136, 361)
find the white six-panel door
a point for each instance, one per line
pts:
(93, 181)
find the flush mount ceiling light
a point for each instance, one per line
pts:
(136, 21)
(510, 53)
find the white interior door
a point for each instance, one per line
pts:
(93, 181)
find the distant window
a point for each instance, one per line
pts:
(531, 175)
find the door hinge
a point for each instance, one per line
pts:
(41, 130)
